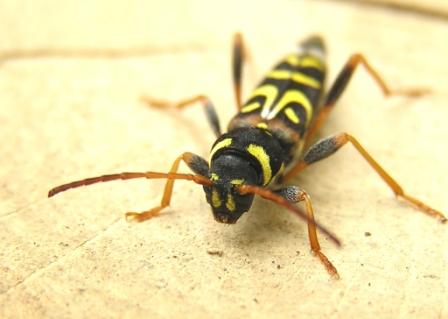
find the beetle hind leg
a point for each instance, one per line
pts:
(340, 85)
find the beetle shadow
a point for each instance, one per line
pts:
(265, 224)
(269, 224)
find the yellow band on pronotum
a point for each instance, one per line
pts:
(263, 158)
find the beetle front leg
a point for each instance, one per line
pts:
(295, 194)
(196, 163)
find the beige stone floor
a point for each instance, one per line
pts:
(67, 117)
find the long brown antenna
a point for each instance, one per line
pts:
(129, 175)
(268, 194)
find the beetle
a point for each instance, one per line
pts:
(269, 141)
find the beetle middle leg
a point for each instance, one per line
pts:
(209, 108)
(330, 145)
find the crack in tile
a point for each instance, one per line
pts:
(18, 210)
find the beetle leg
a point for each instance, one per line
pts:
(294, 194)
(330, 145)
(209, 108)
(340, 84)
(194, 162)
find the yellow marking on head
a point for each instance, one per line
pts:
(262, 125)
(221, 144)
(308, 61)
(230, 203)
(263, 158)
(250, 107)
(216, 200)
(292, 96)
(214, 177)
(291, 115)
(297, 77)
(237, 181)
(270, 92)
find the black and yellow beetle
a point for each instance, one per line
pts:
(265, 141)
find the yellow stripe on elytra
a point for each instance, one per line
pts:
(270, 92)
(293, 60)
(221, 144)
(292, 96)
(263, 158)
(291, 115)
(297, 77)
(312, 62)
(305, 62)
(250, 107)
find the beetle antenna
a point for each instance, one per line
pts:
(198, 179)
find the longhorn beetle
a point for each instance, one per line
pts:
(265, 141)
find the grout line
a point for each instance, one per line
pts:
(97, 53)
